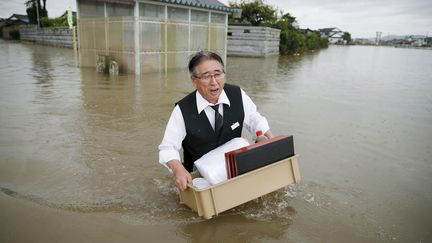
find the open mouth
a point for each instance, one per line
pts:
(214, 90)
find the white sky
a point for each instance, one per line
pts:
(362, 18)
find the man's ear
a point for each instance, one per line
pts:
(193, 81)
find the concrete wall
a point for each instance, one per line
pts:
(252, 41)
(61, 36)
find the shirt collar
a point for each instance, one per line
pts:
(203, 103)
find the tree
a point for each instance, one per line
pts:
(324, 42)
(291, 39)
(31, 10)
(346, 37)
(312, 41)
(256, 12)
(288, 18)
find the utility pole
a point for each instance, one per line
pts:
(37, 14)
(378, 37)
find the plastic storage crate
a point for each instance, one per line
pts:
(215, 199)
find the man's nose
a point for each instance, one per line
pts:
(213, 79)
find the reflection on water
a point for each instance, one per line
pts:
(42, 68)
(76, 140)
(232, 228)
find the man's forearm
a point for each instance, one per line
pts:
(182, 176)
(174, 165)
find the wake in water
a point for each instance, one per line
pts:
(163, 204)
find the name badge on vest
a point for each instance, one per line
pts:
(235, 125)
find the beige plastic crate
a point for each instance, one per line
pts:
(213, 200)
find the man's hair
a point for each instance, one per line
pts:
(201, 56)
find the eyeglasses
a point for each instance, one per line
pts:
(209, 77)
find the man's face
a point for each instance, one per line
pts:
(209, 88)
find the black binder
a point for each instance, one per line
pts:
(258, 155)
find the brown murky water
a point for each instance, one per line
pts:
(78, 154)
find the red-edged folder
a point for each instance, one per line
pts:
(258, 155)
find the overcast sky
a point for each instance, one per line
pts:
(362, 18)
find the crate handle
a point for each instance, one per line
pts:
(214, 202)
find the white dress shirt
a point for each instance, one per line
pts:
(175, 130)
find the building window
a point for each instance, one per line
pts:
(218, 18)
(178, 13)
(199, 16)
(152, 11)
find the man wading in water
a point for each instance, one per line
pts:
(208, 117)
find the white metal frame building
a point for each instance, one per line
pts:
(145, 36)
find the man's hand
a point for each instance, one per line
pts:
(182, 176)
(268, 134)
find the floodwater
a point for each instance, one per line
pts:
(78, 150)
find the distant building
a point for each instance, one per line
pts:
(417, 40)
(150, 36)
(12, 23)
(428, 41)
(2, 24)
(308, 31)
(18, 18)
(363, 41)
(333, 34)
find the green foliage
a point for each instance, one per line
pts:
(14, 34)
(56, 22)
(256, 12)
(324, 42)
(285, 22)
(31, 10)
(347, 37)
(312, 41)
(292, 40)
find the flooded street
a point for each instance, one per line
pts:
(78, 150)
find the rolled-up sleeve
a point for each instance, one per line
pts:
(253, 120)
(175, 132)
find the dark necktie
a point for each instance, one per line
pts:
(218, 118)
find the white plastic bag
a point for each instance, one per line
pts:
(212, 165)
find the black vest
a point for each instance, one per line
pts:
(200, 136)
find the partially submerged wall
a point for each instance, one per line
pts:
(59, 36)
(252, 41)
